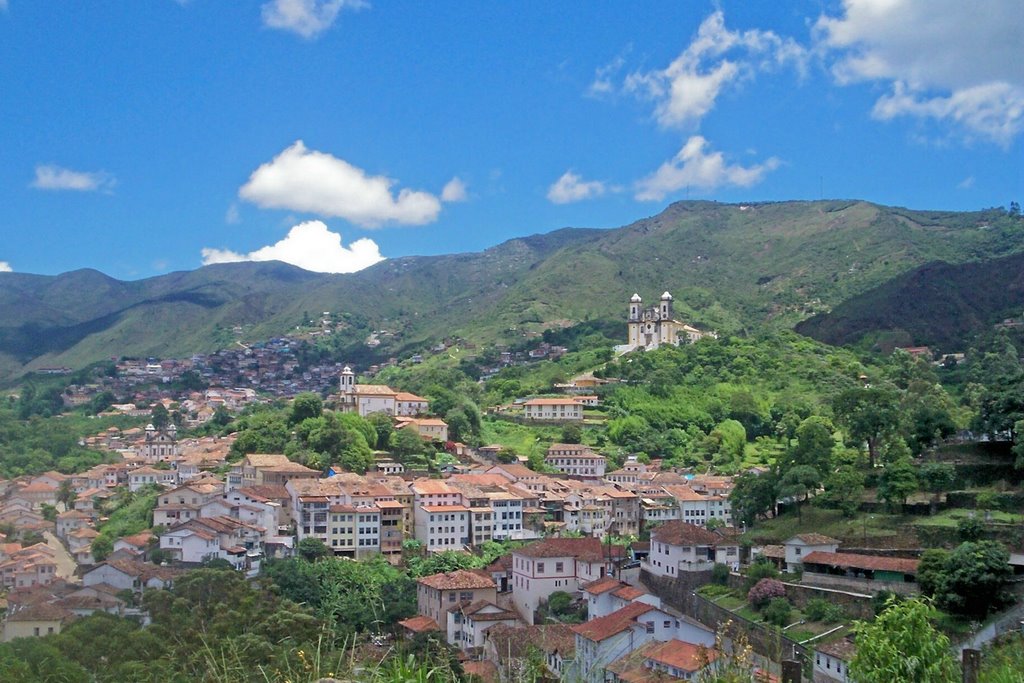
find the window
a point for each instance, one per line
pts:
(559, 567)
(649, 626)
(451, 597)
(796, 550)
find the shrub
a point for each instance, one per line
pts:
(824, 611)
(764, 590)
(720, 574)
(777, 611)
(760, 570)
(970, 529)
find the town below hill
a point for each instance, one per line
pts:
(697, 505)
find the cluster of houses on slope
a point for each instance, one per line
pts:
(496, 616)
(629, 635)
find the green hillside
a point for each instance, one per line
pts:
(730, 267)
(939, 305)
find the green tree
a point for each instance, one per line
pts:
(305, 406)
(160, 418)
(572, 433)
(101, 547)
(797, 484)
(974, 577)
(384, 427)
(931, 571)
(753, 496)
(897, 482)
(843, 490)
(902, 645)
(406, 441)
(867, 414)
(312, 549)
(814, 443)
(937, 478)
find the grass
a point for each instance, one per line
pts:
(828, 522)
(950, 518)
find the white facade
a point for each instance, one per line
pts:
(553, 409)
(443, 527)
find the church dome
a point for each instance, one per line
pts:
(667, 296)
(635, 299)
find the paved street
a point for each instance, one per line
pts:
(65, 563)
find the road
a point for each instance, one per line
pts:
(66, 565)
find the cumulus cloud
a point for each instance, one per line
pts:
(572, 188)
(696, 166)
(307, 18)
(686, 90)
(51, 177)
(944, 60)
(5, 267)
(310, 245)
(454, 191)
(299, 179)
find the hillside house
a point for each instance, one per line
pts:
(864, 573)
(801, 545)
(678, 547)
(553, 410)
(601, 641)
(438, 593)
(557, 564)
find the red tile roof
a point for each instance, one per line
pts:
(420, 624)
(678, 532)
(607, 626)
(682, 655)
(869, 562)
(602, 585)
(585, 549)
(458, 580)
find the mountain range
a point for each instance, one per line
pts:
(730, 267)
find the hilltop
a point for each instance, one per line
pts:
(730, 267)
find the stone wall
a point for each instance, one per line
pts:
(680, 595)
(867, 586)
(857, 604)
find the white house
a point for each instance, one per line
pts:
(553, 409)
(437, 593)
(468, 624)
(832, 661)
(575, 460)
(556, 564)
(801, 545)
(678, 547)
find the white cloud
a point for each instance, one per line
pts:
(686, 90)
(231, 216)
(454, 191)
(966, 184)
(308, 18)
(604, 76)
(572, 188)
(51, 177)
(694, 166)
(310, 245)
(298, 179)
(945, 60)
(5, 267)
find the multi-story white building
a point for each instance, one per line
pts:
(556, 564)
(553, 409)
(698, 508)
(678, 547)
(576, 460)
(438, 593)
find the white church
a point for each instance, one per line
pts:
(654, 326)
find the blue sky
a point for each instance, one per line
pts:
(144, 137)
